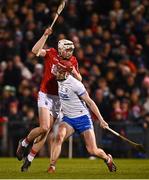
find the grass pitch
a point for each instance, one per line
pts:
(75, 169)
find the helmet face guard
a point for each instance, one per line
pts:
(65, 48)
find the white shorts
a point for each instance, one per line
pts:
(51, 102)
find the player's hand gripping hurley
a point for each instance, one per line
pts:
(139, 147)
(59, 10)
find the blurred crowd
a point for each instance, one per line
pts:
(111, 44)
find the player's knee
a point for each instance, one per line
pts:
(59, 138)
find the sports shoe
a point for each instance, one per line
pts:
(20, 153)
(110, 164)
(25, 165)
(51, 169)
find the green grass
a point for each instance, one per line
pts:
(75, 169)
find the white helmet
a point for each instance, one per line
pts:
(65, 48)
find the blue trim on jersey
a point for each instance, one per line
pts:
(82, 93)
(79, 124)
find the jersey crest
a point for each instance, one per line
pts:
(63, 93)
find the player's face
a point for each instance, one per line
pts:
(67, 53)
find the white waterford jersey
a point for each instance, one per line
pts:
(70, 91)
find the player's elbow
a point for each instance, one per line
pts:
(80, 78)
(34, 51)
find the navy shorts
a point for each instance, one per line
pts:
(79, 124)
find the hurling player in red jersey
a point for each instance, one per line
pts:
(48, 100)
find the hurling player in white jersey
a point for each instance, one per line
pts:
(76, 117)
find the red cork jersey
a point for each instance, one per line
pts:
(49, 84)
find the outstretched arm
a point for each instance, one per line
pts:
(41, 42)
(93, 107)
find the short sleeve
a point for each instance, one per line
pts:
(50, 52)
(79, 88)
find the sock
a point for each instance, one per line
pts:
(107, 160)
(25, 142)
(53, 166)
(31, 155)
(52, 163)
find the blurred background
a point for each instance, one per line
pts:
(112, 48)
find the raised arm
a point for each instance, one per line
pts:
(93, 107)
(40, 43)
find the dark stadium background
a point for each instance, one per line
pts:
(112, 47)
